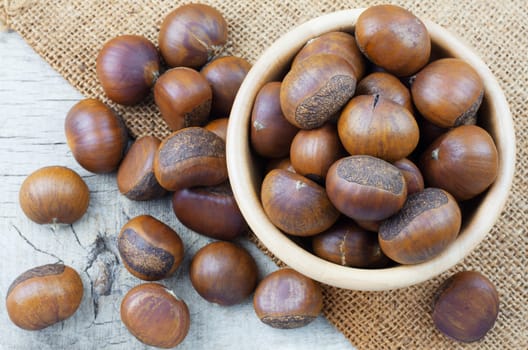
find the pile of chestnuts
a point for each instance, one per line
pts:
(341, 136)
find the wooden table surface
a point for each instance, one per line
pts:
(34, 100)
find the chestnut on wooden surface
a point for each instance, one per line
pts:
(155, 316)
(286, 299)
(373, 125)
(183, 97)
(315, 89)
(335, 43)
(223, 273)
(313, 151)
(365, 187)
(127, 67)
(463, 161)
(210, 211)
(149, 249)
(428, 222)
(466, 306)
(190, 157)
(448, 92)
(271, 134)
(219, 127)
(296, 204)
(225, 75)
(190, 35)
(43, 296)
(96, 136)
(393, 38)
(54, 195)
(387, 86)
(412, 175)
(347, 244)
(135, 176)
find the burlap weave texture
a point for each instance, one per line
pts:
(68, 34)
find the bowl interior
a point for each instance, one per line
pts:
(245, 175)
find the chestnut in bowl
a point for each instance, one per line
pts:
(246, 177)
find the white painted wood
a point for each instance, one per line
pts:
(34, 100)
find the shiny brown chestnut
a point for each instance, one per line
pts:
(271, 134)
(335, 43)
(135, 176)
(54, 195)
(225, 75)
(43, 296)
(190, 35)
(296, 204)
(411, 173)
(448, 92)
(155, 316)
(466, 306)
(366, 188)
(149, 249)
(127, 67)
(463, 161)
(347, 244)
(210, 211)
(279, 163)
(428, 222)
(313, 151)
(315, 89)
(96, 136)
(183, 97)
(223, 273)
(375, 126)
(190, 157)
(393, 38)
(286, 299)
(387, 86)
(219, 127)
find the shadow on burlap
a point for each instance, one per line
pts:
(68, 34)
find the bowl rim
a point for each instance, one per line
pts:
(269, 66)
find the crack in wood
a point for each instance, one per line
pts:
(34, 247)
(77, 237)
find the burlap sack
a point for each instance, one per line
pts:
(68, 34)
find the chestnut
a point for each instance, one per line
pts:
(43, 296)
(96, 136)
(366, 188)
(210, 211)
(373, 125)
(219, 127)
(223, 273)
(393, 38)
(183, 97)
(54, 195)
(369, 225)
(428, 222)
(286, 299)
(135, 176)
(463, 161)
(271, 134)
(347, 244)
(412, 175)
(155, 316)
(313, 151)
(225, 75)
(279, 163)
(335, 43)
(149, 249)
(315, 89)
(190, 157)
(295, 204)
(127, 67)
(448, 92)
(387, 86)
(190, 34)
(465, 306)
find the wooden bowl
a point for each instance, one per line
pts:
(245, 177)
